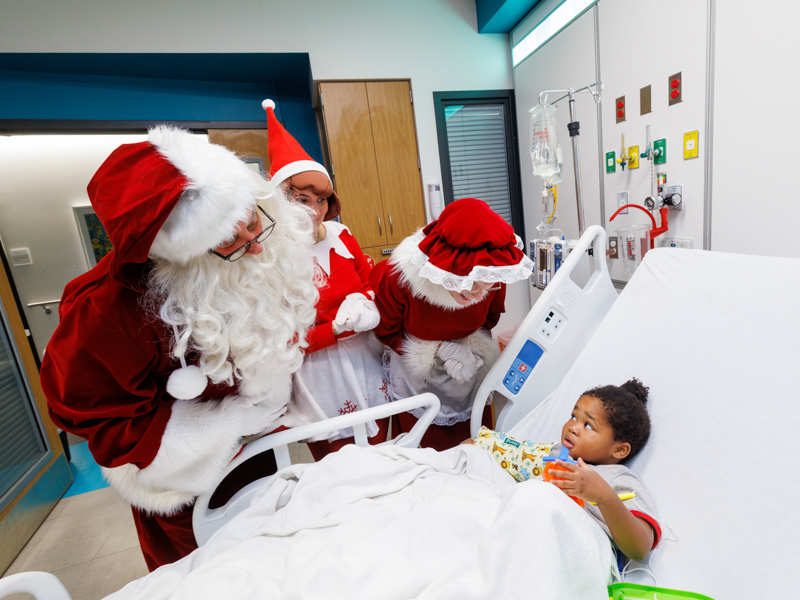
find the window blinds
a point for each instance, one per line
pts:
(21, 443)
(476, 144)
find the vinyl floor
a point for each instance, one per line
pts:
(89, 540)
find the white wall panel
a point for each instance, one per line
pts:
(642, 43)
(756, 129)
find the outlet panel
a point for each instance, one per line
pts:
(613, 248)
(633, 157)
(622, 200)
(660, 150)
(619, 109)
(611, 162)
(690, 142)
(675, 242)
(675, 88)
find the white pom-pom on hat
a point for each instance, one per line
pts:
(268, 104)
(186, 383)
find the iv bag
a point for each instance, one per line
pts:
(545, 149)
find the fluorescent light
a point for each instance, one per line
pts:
(552, 24)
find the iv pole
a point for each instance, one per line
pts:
(574, 130)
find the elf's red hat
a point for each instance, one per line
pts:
(287, 158)
(470, 242)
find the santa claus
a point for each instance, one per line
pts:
(183, 339)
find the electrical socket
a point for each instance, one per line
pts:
(613, 251)
(622, 200)
(675, 242)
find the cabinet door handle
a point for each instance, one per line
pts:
(380, 227)
(391, 225)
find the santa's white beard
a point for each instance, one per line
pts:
(245, 319)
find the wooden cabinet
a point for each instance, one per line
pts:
(372, 148)
(247, 143)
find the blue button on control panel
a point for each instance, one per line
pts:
(522, 366)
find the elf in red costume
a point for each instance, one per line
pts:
(439, 296)
(210, 268)
(342, 371)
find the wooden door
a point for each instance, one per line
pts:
(246, 143)
(346, 114)
(394, 135)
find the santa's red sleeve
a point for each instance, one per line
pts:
(105, 380)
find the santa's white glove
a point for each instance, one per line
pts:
(459, 361)
(356, 313)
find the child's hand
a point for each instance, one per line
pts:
(582, 482)
(468, 441)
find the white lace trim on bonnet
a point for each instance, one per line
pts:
(456, 283)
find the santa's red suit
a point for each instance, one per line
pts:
(108, 366)
(469, 243)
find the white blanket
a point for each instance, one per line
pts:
(395, 523)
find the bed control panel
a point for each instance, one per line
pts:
(552, 324)
(522, 367)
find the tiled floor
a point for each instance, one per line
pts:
(89, 541)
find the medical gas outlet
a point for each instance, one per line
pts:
(673, 199)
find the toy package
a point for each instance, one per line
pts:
(523, 460)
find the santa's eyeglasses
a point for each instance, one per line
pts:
(242, 250)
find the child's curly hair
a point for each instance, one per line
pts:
(626, 413)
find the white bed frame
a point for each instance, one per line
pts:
(206, 521)
(532, 364)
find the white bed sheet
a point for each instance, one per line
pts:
(716, 337)
(389, 522)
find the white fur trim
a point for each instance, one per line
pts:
(484, 345)
(221, 192)
(186, 383)
(402, 257)
(332, 241)
(200, 440)
(268, 103)
(298, 166)
(419, 357)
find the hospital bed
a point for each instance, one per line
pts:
(713, 335)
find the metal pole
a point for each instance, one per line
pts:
(574, 127)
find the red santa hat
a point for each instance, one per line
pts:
(173, 197)
(287, 158)
(470, 242)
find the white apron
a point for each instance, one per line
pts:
(340, 379)
(456, 398)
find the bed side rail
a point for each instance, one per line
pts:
(551, 337)
(206, 521)
(40, 585)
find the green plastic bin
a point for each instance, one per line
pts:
(634, 591)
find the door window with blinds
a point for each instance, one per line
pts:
(22, 442)
(478, 150)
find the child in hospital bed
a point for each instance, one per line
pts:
(607, 427)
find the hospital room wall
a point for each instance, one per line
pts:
(756, 128)
(608, 43)
(725, 68)
(434, 43)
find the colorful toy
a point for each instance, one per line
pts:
(550, 465)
